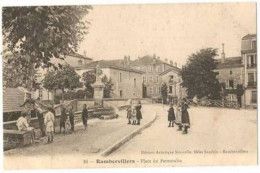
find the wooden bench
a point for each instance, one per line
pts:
(16, 138)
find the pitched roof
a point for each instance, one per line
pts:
(249, 36)
(12, 99)
(116, 64)
(171, 69)
(230, 62)
(145, 60)
(79, 56)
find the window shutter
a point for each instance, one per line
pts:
(235, 84)
(227, 84)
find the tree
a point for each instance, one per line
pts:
(89, 79)
(108, 86)
(198, 75)
(64, 79)
(35, 35)
(164, 92)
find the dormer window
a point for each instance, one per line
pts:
(254, 44)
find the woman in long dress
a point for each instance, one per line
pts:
(178, 117)
(49, 123)
(185, 116)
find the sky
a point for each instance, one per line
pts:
(172, 31)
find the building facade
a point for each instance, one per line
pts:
(154, 76)
(127, 82)
(240, 73)
(249, 55)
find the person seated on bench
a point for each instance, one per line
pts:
(23, 125)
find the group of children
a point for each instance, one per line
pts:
(134, 114)
(182, 119)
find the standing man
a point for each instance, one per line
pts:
(171, 116)
(85, 116)
(63, 118)
(49, 123)
(71, 116)
(138, 112)
(185, 116)
(39, 113)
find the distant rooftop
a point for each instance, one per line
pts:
(249, 36)
(116, 64)
(79, 56)
(230, 62)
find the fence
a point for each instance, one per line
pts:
(215, 103)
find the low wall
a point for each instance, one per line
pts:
(78, 106)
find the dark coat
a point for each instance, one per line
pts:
(63, 116)
(129, 113)
(185, 114)
(84, 114)
(138, 112)
(171, 115)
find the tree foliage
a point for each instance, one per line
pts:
(64, 78)
(89, 78)
(34, 35)
(164, 92)
(198, 75)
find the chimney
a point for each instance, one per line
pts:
(223, 54)
(171, 62)
(84, 53)
(158, 57)
(128, 60)
(154, 55)
(176, 64)
(125, 60)
(166, 60)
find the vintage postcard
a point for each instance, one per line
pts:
(148, 85)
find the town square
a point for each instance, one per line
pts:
(96, 86)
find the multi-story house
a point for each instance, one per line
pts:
(249, 56)
(240, 70)
(127, 82)
(156, 73)
(230, 75)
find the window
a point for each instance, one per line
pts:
(144, 79)
(158, 90)
(171, 78)
(120, 77)
(231, 84)
(150, 78)
(154, 79)
(121, 93)
(230, 72)
(157, 79)
(170, 89)
(254, 44)
(251, 61)
(251, 80)
(154, 90)
(134, 82)
(151, 69)
(254, 97)
(150, 90)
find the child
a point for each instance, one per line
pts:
(171, 116)
(178, 117)
(134, 116)
(129, 114)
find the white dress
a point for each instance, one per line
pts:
(49, 122)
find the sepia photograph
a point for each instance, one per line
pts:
(129, 85)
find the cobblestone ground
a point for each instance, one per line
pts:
(212, 129)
